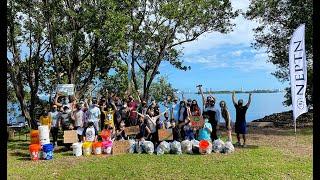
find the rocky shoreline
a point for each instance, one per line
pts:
(285, 120)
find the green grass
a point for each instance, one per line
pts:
(254, 162)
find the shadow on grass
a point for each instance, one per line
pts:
(247, 146)
(14, 145)
(21, 156)
(280, 131)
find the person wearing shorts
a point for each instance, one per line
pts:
(226, 116)
(241, 124)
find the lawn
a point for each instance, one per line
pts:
(271, 154)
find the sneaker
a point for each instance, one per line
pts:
(244, 145)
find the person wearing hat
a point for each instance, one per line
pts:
(54, 114)
(212, 112)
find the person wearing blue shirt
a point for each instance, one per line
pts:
(205, 132)
(174, 110)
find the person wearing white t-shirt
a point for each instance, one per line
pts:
(55, 114)
(90, 133)
(94, 114)
(78, 118)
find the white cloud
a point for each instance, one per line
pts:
(237, 53)
(242, 33)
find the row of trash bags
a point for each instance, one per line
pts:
(186, 146)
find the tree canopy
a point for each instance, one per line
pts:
(278, 19)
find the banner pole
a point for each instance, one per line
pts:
(295, 126)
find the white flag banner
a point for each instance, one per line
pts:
(65, 89)
(298, 72)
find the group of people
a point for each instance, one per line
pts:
(111, 115)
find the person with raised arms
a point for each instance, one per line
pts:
(212, 112)
(241, 125)
(151, 124)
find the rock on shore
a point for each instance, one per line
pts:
(285, 119)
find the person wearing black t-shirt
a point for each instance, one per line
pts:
(241, 124)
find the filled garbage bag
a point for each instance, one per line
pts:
(132, 145)
(163, 148)
(195, 146)
(148, 147)
(218, 145)
(159, 151)
(186, 146)
(228, 147)
(175, 147)
(205, 147)
(138, 147)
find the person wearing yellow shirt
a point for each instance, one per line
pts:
(45, 119)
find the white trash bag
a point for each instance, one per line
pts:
(175, 147)
(163, 148)
(195, 146)
(138, 147)
(218, 145)
(228, 147)
(148, 147)
(132, 145)
(186, 146)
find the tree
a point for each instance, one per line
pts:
(161, 89)
(157, 28)
(278, 20)
(25, 72)
(118, 83)
(84, 39)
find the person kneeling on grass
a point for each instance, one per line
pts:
(144, 131)
(120, 133)
(90, 133)
(188, 131)
(107, 133)
(205, 132)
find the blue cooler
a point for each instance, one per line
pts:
(47, 151)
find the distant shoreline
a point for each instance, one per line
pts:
(240, 92)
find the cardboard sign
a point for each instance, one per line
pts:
(65, 89)
(132, 130)
(165, 134)
(70, 136)
(197, 121)
(120, 147)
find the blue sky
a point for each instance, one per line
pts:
(225, 61)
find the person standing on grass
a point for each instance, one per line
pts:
(54, 114)
(226, 116)
(132, 105)
(212, 112)
(94, 114)
(241, 125)
(174, 110)
(78, 118)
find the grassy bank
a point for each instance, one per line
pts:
(271, 154)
